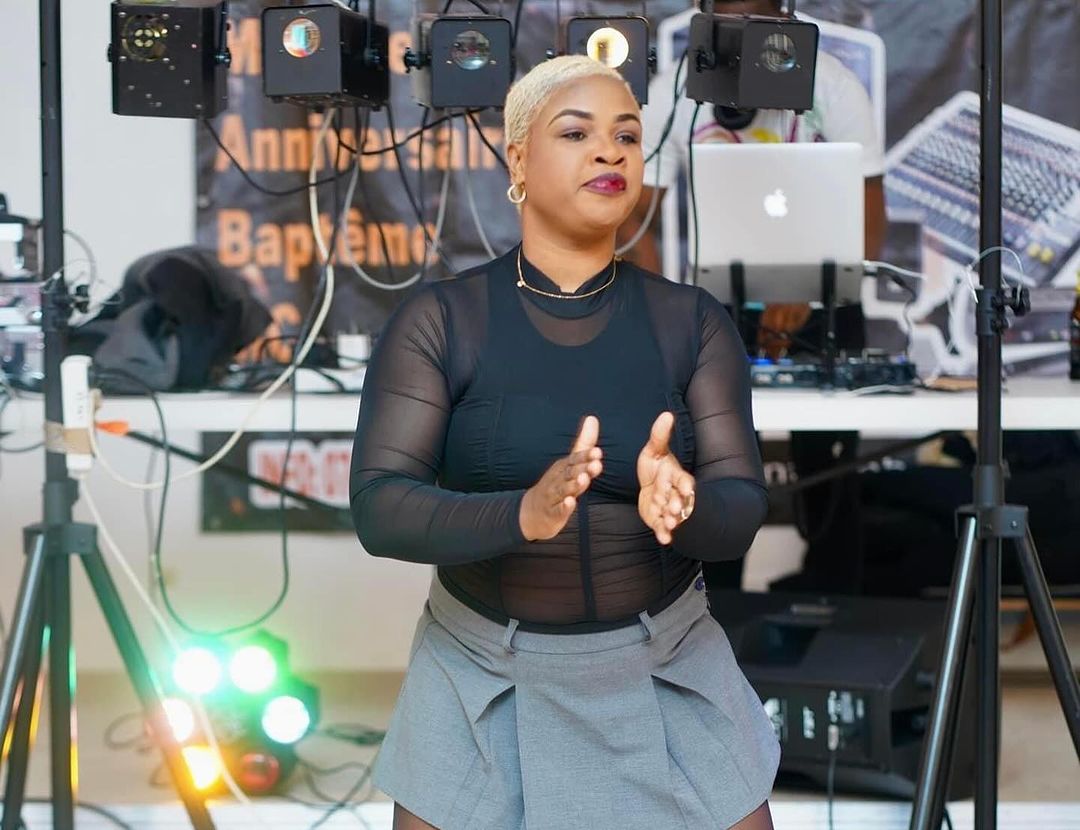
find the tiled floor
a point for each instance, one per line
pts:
(1040, 775)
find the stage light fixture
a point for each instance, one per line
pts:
(169, 58)
(197, 670)
(258, 710)
(205, 766)
(750, 62)
(619, 42)
(324, 55)
(460, 60)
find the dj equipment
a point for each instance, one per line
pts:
(764, 206)
(21, 338)
(853, 373)
(621, 43)
(324, 55)
(460, 61)
(846, 681)
(744, 61)
(935, 171)
(169, 59)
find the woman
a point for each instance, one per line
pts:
(589, 428)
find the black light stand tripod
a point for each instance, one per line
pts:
(42, 614)
(976, 588)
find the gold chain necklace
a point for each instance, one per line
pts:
(522, 284)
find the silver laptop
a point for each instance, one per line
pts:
(782, 211)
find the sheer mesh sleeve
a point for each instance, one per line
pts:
(398, 509)
(731, 500)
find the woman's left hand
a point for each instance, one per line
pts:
(666, 499)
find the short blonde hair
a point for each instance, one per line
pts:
(532, 91)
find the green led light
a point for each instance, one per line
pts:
(197, 670)
(286, 719)
(252, 669)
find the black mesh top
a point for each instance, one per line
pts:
(477, 386)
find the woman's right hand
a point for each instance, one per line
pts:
(548, 504)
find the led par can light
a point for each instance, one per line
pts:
(169, 59)
(460, 61)
(324, 55)
(619, 42)
(750, 62)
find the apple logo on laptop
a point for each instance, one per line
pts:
(776, 204)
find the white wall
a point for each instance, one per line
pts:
(129, 183)
(129, 188)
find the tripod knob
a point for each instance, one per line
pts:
(1018, 298)
(80, 296)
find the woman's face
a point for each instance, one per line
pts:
(582, 164)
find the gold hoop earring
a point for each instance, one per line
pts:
(510, 194)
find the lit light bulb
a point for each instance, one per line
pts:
(608, 46)
(286, 719)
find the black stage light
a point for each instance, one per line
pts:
(460, 60)
(749, 62)
(169, 58)
(324, 55)
(619, 42)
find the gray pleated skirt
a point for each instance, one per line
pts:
(647, 727)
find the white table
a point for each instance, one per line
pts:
(1028, 403)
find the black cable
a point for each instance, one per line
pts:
(262, 188)
(476, 3)
(334, 770)
(107, 814)
(516, 28)
(397, 145)
(156, 552)
(420, 183)
(361, 735)
(309, 780)
(676, 97)
(480, 132)
(112, 742)
(341, 803)
(411, 197)
(693, 190)
(393, 147)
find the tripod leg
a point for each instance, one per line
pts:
(146, 687)
(29, 594)
(958, 620)
(64, 766)
(1046, 622)
(19, 753)
(941, 793)
(988, 702)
